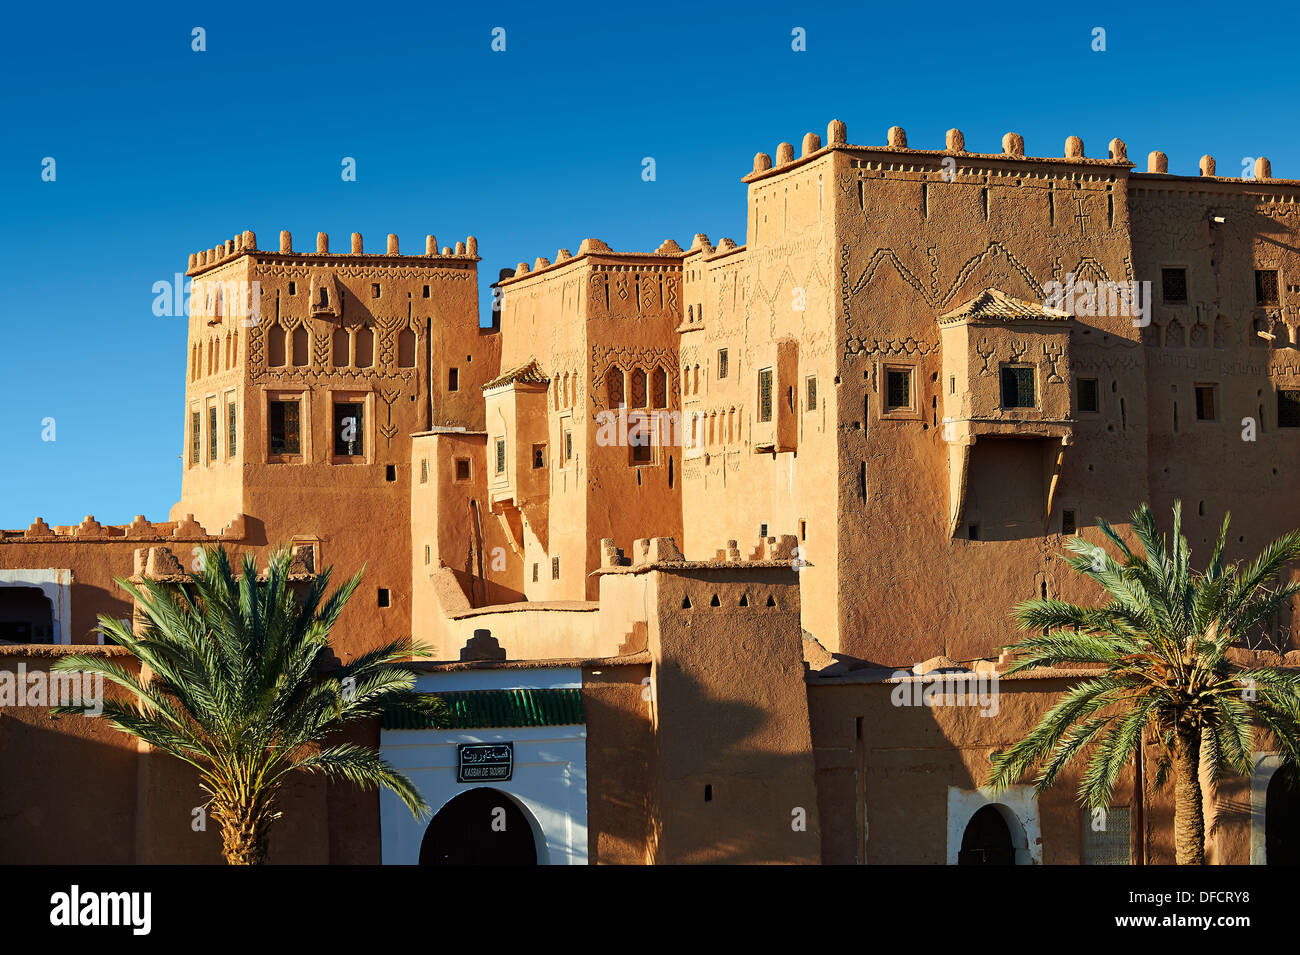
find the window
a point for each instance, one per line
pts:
(195, 441)
(534, 572)
(1018, 387)
(762, 532)
(555, 568)
(898, 388)
(1173, 285)
(1068, 524)
(765, 395)
(453, 379)
(284, 427)
(364, 341)
(972, 532)
(639, 438)
(539, 456)
(812, 394)
(406, 348)
(1205, 402)
(424, 470)
(614, 387)
(232, 439)
(374, 290)
(722, 363)
(659, 389)
(1266, 287)
(426, 291)
(568, 445)
(349, 428)
(212, 433)
(501, 455)
(339, 344)
(1288, 409)
(385, 598)
(1106, 839)
(293, 288)
(462, 470)
(428, 556)
(390, 472)
(1089, 400)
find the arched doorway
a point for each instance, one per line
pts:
(1282, 819)
(26, 615)
(987, 840)
(481, 826)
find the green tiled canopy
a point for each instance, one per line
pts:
(479, 709)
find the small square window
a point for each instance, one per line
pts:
(555, 568)
(1266, 287)
(1089, 400)
(1205, 403)
(1288, 409)
(374, 290)
(1018, 387)
(762, 532)
(293, 288)
(349, 429)
(972, 532)
(462, 470)
(501, 455)
(812, 394)
(390, 472)
(284, 427)
(1173, 285)
(426, 291)
(1068, 525)
(539, 456)
(898, 389)
(722, 363)
(453, 379)
(385, 599)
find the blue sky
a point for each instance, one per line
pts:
(161, 151)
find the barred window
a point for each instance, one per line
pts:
(1088, 395)
(812, 394)
(1106, 838)
(614, 387)
(898, 388)
(568, 444)
(232, 440)
(1266, 287)
(284, 427)
(659, 389)
(765, 395)
(1288, 409)
(722, 363)
(212, 432)
(501, 455)
(349, 429)
(1018, 387)
(1173, 283)
(555, 568)
(195, 424)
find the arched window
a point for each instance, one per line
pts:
(406, 349)
(659, 389)
(365, 342)
(987, 840)
(301, 347)
(614, 387)
(339, 348)
(639, 395)
(275, 345)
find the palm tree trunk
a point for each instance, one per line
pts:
(244, 832)
(1189, 812)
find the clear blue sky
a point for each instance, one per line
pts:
(161, 151)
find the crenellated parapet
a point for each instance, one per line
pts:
(246, 244)
(140, 529)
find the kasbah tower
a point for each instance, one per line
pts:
(871, 434)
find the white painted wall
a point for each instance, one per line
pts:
(54, 584)
(549, 782)
(1018, 806)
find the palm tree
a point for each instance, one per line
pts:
(1163, 638)
(232, 683)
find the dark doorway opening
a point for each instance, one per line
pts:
(26, 615)
(987, 840)
(1282, 819)
(479, 827)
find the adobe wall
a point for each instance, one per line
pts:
(1213, 338)
(912, 245)
(774, 292)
